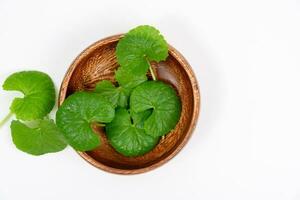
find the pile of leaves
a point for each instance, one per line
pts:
(135, 111)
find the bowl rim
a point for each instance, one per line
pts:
(196, 95)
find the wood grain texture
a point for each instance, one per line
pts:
(98, 62)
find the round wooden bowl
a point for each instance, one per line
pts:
(98, 62)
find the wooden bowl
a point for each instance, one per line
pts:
(98, 62)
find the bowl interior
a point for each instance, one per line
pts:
(98, 62)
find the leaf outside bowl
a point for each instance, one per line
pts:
(98, 62)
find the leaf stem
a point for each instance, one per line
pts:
(152, 73)
(4, 120)
(151, 70)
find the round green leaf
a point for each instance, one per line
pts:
(127, 138)
(140, 118)
(39, 94)
(43, 138)
(75, 116)
(111, 93)
(164, 103)
(139, 46)
(117, 96)
(128, 79)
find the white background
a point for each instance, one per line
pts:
(246, 55)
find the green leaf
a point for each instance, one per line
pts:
(140, 118)
(39, 94)
(76, 115)
(128, 79)
(43, 138)
(117, 96)
(139, 46)
(162, 100)
(127, 138)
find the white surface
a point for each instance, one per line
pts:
(246, 55)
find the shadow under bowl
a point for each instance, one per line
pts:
(98, 62)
